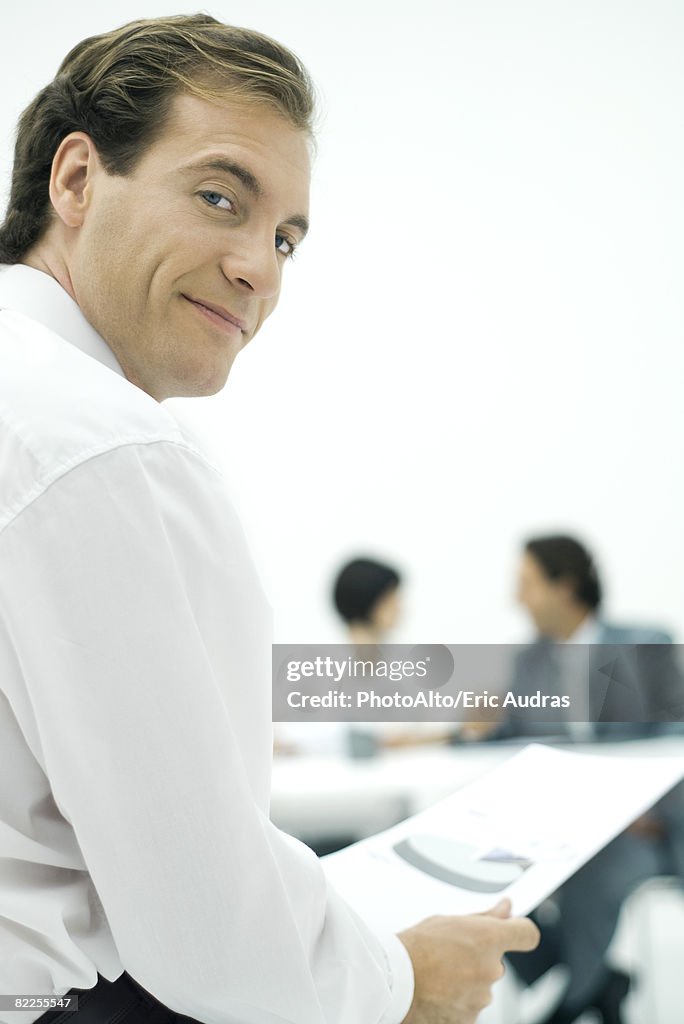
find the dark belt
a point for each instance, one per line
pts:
(123, 1001)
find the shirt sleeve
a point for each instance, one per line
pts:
(138, 624)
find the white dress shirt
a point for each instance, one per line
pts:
(135, 721)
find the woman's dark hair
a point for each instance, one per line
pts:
(563, 558)
(359, 585)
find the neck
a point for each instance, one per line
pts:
(571, 623)
(49, 263)
(361, 633)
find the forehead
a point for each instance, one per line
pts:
(530, 569)
(249, 133)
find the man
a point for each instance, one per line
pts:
(160, 184)
(622, 680)
(623, 683)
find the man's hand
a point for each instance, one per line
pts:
(456, 960)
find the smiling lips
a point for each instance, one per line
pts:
(219, 316)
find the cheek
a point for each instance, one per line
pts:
(531, 598)
(270, 304)
(137, 242)
(265, 309)
(110, 261)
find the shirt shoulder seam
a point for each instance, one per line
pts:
(14, 511)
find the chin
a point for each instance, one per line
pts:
(197, 390)
(203, 385)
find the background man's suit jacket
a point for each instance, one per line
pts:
(636, 686)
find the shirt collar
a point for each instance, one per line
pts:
(41, 297)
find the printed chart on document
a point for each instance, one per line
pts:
(519, 831)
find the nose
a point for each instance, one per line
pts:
(253, 265)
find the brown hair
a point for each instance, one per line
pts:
(562, 557)
(118, 88)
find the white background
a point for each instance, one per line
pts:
(483, 336)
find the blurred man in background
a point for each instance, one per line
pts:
(624, 684)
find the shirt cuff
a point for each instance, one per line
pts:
(401, 979)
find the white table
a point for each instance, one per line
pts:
(328, 796)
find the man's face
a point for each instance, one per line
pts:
(544, 599)
(178, 264)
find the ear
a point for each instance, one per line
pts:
(74, 166)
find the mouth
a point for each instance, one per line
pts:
(219, 316)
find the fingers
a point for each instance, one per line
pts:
(502, 909)
(520, 935)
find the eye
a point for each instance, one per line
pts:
(217, 200)
(284, 245)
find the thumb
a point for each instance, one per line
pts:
(502, 909)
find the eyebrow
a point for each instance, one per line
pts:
(299, 221)
(251, 183)
(229, 167)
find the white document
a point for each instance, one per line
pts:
(519, 831)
